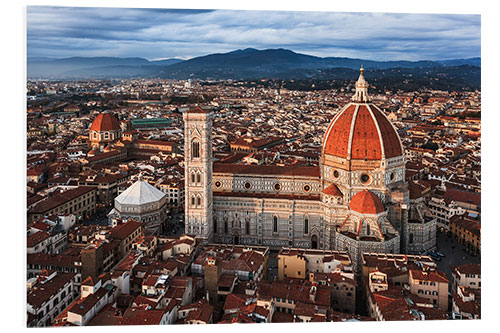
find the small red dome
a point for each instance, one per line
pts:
(105, 121)
(366, 202)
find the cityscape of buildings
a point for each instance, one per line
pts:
(154, 202)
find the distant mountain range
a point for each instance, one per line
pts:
(237, 65)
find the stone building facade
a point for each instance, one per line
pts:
(198, 172)
(356, 200)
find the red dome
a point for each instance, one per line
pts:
(366, 202)
(105, 122)
(363, 132)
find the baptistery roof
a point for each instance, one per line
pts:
(105, 121)
(139, 193)
(361, 131)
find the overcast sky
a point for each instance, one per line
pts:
(161, 33)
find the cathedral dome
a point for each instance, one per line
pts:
(105, 121)
(366, 202)
(361, 131)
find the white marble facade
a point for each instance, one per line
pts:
(304, 207)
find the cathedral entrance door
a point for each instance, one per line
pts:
(236, 240)
(314, 242)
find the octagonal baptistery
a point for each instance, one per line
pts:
(361, 148)
(142, 202)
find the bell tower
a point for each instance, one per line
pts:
(198, 172)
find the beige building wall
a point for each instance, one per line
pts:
(291, 267)
(466, 280)
(437, 292)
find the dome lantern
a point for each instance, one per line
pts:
(361, 95)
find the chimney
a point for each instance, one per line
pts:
(31, 282)
(312, 293)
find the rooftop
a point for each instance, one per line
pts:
(140, 193)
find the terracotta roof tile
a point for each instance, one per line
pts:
(366, 202)
(333, 190)
(305, 171)
(105, 122)
(36, 238)
(366, 142)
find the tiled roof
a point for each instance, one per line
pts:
(198, 110)
(234, 301)
(107, 316)
(84, 306)
(366, 202)
(56, 260)
(105, 122)
(58, 199)
(359, 125)
(298, 292)
(42, 292)
(305, 171)
(462, 196)
(415, 190)
(135, 316)
(471, 307)
(435, 276)
(122, 231)
(40, 225)
(468, 269)
(36, 238)
(226, 280)
(203, 312)
(467, 224)
(154, 142)
(392, 309)
(333, 190)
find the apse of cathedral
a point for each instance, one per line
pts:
(356, 200)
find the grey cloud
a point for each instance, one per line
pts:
(166, 33)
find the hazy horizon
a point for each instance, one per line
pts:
(201, 55)
(155, 34)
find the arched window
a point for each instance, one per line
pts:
(275, 224)
(192, 178)
(247, 227)
(306, 225)
(198, 178)
(215, 225)
(368, 229)
(195, 148)
(411, 238)
(192, 201)
(198, 201)
(225, 227)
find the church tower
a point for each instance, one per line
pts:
(198, 172)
